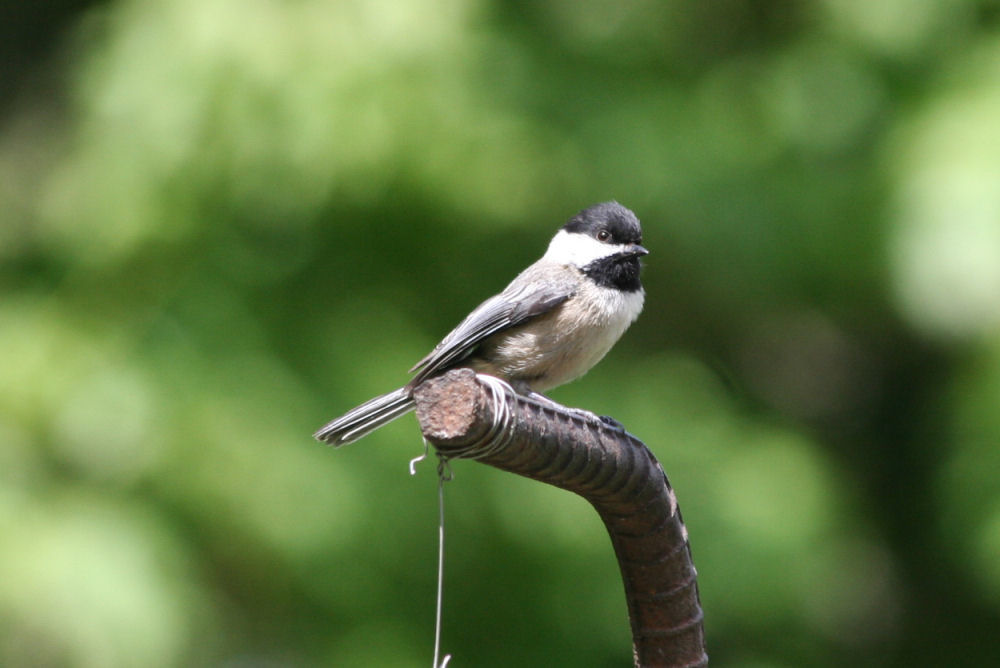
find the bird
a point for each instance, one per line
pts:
(550, 325)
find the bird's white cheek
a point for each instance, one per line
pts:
(578, 250)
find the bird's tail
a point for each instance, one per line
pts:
(366, 418)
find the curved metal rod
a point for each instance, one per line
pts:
(464, 416)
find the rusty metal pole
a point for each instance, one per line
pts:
(463, 417)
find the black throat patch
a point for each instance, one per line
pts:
(615, 271)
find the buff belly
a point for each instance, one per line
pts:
(561, 345)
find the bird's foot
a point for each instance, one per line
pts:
(583, 413)
(611, 422)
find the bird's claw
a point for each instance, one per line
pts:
(611, 422)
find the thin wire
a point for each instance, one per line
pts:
(417, 460)
(440, 584)
(444, 475)
(500, 433)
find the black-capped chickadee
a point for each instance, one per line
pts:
(555, 321)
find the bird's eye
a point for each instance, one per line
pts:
(603, 235)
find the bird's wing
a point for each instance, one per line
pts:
(512, 307)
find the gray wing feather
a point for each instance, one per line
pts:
(512, 307)
(535, 292)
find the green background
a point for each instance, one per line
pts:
(223, 222)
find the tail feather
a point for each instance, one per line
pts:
(366, 418)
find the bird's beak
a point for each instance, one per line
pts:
(636, 249)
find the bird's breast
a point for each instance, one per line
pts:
(563, 344)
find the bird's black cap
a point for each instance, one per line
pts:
(611, 217)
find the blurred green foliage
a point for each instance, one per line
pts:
(222, 223)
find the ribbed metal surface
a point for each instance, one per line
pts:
(610, 468)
